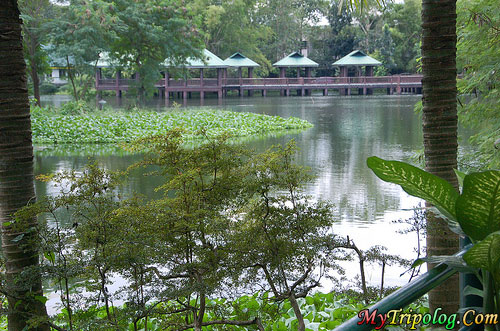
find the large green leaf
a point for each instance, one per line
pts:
(478, 208)
(485, 254)
(418, 183)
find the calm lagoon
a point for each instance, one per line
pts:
(347, 130)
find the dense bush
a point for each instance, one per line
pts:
(48, 88)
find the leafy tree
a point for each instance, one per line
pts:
(35, 15)
(230, 27)
(148, 32)
(404, 21)
(369, 22)
(283, 237)
(83, 30)
(479, 56)
(22, 283)
(288, 21)
(344, 38)
(384, 53)
(190, 223)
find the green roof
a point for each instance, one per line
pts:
(54, 60)
(211, 61)
(240, 60)
(105, 61)
(295, 59)
(357, 58)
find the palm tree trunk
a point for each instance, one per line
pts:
(16, 178)
(440, 119)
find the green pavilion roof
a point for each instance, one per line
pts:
(240, 60)
(295, 59)
(54, 60)
(211, 61)
(105, 61)
(357, 58)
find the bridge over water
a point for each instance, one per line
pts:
(361, 85)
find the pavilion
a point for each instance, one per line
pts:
(209, 61)
(356, 59)
(238, 60)
(298, 61)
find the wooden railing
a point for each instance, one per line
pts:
(241, 82)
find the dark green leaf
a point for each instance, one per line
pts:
(486, 253)
(418, 183)
(469, 290)
(478, 208)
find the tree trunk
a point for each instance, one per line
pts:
(440, 128)
(296, 309)
(16, 178)
(36, 83)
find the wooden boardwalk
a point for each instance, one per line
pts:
(303, 85)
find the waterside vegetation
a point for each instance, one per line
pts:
(77, 123)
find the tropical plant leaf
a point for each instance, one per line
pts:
(478, 208)
(455, 262)
(485, 254)
(460, 176)
(418, 183)
(470, 290)
(452, 224)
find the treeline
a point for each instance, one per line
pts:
(140, 36)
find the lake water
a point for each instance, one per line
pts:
(347, 130)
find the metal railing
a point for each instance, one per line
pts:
(406, 295)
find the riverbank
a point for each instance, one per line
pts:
(78, 123)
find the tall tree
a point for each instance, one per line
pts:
(23, 283)
(35, 15)
(83, 30)
(405, 23)
(287, 21)
(230, 27)
(479, 56)
(439, 40)
(148, 32)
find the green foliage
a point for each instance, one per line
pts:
(81, 32)
(283, 237)
(77, 123)
(404, 22)
(417, 182)
(476, 209)
(35, 15)
(230, 27)
(48, 88)
(148, 32)
(478, 54)
(227, 219)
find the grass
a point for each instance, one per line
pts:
(79, 125)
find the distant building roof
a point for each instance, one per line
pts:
(105, 61)
(211, 61)
(357, 58)
(240, 60)
(54, 60)
(295, 59)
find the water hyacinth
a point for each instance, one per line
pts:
(115, 127)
